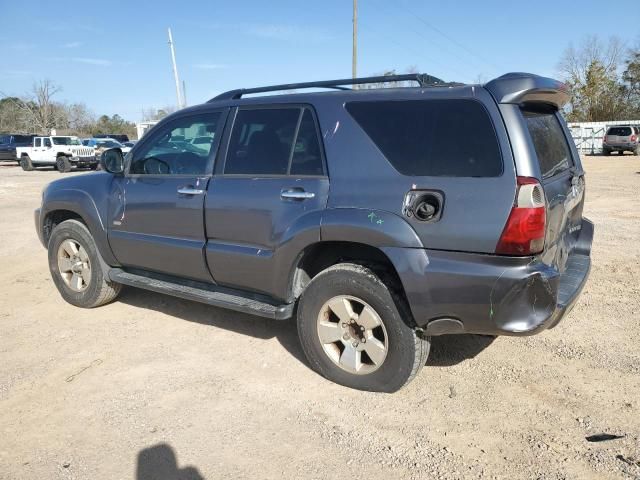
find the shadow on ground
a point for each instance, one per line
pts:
(446, 350)
(159, 462)
(449, 350)
(284, 331)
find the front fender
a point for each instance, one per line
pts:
(376, 228)
(82, 203)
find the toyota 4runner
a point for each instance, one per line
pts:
(363, 213)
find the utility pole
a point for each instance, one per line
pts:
(175, 70)
(184, 93)
(354, 53)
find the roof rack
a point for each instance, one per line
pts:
(423, 80)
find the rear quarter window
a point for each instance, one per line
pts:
(453, 138)
(549, 141)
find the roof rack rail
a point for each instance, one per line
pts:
(422, 79)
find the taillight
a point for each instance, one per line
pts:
(524, 232)
(633, 138)
(604, 139)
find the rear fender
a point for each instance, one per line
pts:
(376, 228)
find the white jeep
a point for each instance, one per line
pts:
(62, 152)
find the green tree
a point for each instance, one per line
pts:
(631, 83)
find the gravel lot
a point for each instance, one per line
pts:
(156, 384)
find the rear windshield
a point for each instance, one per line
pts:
(619, 131)
(550, 143)
(453, 138)
(22, 138)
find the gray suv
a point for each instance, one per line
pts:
(360, 212)
(621, 138)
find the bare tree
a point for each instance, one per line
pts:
(79, 118)
(153, 114)
(40, 111)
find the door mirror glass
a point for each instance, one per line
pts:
(112, 160)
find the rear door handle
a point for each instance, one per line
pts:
(296, 194)
(190, 191)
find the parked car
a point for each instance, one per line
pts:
(102, 144)
(119, 137)
(362, 212)
(621, 138)
(9, 143)
(59, 151)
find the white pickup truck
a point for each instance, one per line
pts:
(62, 152)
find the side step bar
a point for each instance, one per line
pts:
(211, 295)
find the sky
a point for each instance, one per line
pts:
(115, 57)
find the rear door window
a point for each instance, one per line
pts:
(307, 159)
(274, 141)
(453, 138)
(549, 141)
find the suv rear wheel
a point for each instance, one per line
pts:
(356, 332)
(76, 268)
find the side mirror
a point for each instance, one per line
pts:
(112, 161)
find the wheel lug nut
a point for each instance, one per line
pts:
(344, 325)
(345, 336)
(355, 344)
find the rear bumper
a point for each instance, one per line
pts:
(453, 292)
(619, 146)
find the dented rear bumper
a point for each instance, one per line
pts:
(454, 292)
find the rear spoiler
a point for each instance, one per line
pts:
(522, 88)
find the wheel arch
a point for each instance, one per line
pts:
(324, 254)
(66, 204)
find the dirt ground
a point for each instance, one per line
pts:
(156, 387)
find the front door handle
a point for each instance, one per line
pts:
(296, 194)
(190, 191)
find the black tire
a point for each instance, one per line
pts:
(606, 152)
(99, 289)
(636, 151)
(63, 164)
(407, 350)
(25, 163)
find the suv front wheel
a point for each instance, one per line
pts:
(356, 331)
(76, 268)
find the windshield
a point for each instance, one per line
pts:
(66, 141)
(109, 144)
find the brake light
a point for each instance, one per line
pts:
(604, 139)
(524, 232)
(633, 138)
